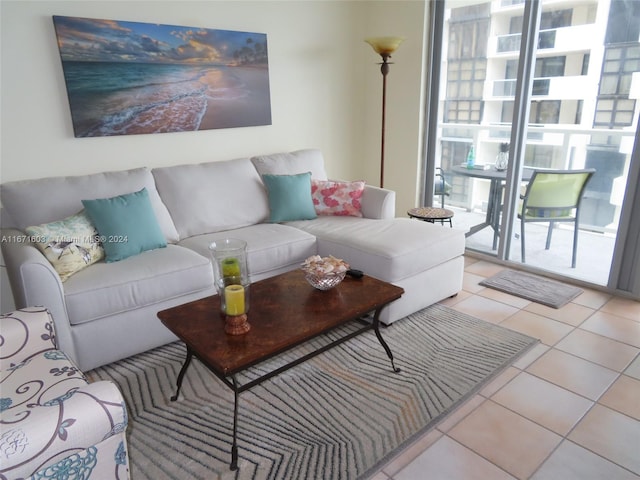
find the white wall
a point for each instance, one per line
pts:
(404, 112)
(312, 57)
(318, 66)
(324, 79)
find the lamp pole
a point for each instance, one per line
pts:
(384, 69)
(384, 46)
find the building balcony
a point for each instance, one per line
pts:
(565, 88)
(499, 5)
(553, 41)
(548, 146)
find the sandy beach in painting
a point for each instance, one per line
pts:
(230, 106)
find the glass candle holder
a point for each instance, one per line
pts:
(231, 275)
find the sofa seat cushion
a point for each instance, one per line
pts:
(271, 248)
(391, 249)
(151, 277)
(212, 197)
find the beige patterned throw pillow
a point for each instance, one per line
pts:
(70, 244)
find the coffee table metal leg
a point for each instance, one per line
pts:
(376, 328)
(183, 370)
(234, 445)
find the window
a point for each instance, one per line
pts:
(572, 111)
(585, 64)
(466, 78)
(549, 20)
(463, 111)
(541, 87)
(579, 106)
(467, 65)
(624, 22)
(614, 113)
(539, 156)
(545, 111)
(453, 153)
(547, 39)
(507, 112)
(550, 67)
(470, 13)
(614, 109)
(556, 19)
(511, 69)
(468, 39)
(541, 112)
(619, 63)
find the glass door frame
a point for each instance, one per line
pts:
(624, 275)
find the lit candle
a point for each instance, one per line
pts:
(234, 299)
(230, 267)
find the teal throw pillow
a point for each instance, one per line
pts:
(126, 224)
(289, 197)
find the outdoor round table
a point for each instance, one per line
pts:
(431, 214)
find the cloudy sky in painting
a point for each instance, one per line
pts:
(92, 40)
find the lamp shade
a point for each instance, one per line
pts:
(384, 45)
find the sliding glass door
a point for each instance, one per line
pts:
(554, 84)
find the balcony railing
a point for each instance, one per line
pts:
(553, 146)
(511, 42)
(507, 88)
(503, 131)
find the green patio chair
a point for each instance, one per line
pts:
(553, 196)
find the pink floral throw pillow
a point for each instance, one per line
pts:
(337, 198)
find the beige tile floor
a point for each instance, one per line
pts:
(569, 409)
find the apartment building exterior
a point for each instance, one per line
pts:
(583, 104)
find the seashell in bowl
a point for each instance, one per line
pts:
(324, 273)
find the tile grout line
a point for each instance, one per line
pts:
(485, 398)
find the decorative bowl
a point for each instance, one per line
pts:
(324, 282)
(324, 273)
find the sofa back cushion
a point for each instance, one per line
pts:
(45, 200)
(292, 163)
(212, 197)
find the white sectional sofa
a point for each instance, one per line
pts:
(107, 311)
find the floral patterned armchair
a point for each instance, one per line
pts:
(53, 423)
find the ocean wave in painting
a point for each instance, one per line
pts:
(119, 99)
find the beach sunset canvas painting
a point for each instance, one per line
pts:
(126, 78)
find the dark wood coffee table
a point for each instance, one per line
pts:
(285, 311)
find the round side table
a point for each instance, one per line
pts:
(432, 214)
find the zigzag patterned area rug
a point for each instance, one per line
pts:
(340, 415)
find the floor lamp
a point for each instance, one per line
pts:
(384, 46)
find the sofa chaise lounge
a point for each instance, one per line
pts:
(107, 311)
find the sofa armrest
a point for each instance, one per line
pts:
(378, 203)
(24, 333)
(34, 282)
(46, 434)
